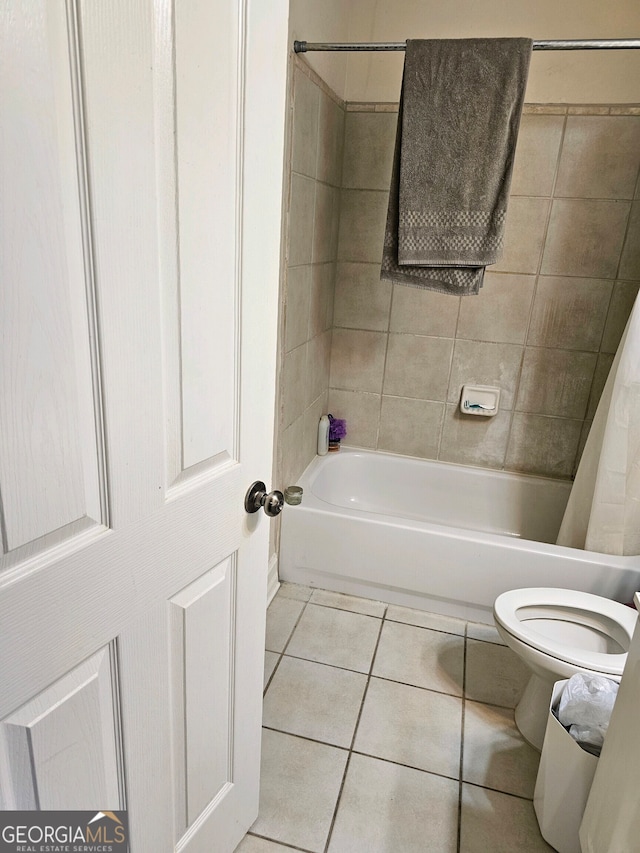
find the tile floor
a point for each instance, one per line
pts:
(389, 730)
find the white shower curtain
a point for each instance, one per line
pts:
(603, 512)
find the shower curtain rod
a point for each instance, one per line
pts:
(554, 44)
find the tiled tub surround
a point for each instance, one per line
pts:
(545, 325)
(388, 730)
(311, 241)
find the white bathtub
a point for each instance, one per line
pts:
(435, 536)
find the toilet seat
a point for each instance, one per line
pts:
(517, 611)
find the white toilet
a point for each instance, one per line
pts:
(558, 632)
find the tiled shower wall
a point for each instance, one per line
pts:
(392, 359)
(545, 325)
(311, 244)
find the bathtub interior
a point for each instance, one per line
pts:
(464, 497)
(347, 536)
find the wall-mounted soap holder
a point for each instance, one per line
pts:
(480, 400)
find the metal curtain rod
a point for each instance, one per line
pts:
(554, 44)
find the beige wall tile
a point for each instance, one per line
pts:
(330, 141)
(362, 301)
(500, 312)
(473, 440)
(423, 312)
(294, 384)
(321, 306)
(543, 445)
(292, 452)
(603, 366)
(478, 363)
(524, 235)
(362, 413)
(310, 427)
(630, 260)
(600, 157)
(301, 213)
(417, 366)
(368, 150)
(569, 313)
(318, 364)
(585, 237)
(622, 299)
(362, 219)
(537, 152)
(296, 318)
(411, 427)
(555, 382)
(357, 360)
(306, 101)
(327, 219)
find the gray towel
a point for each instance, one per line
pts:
(457, 130)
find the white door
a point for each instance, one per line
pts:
(140, 197)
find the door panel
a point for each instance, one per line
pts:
(139, 268)
(202, 659)
(51, 469)
(208, 79)
(65, 742)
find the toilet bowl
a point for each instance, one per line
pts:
(558, 632)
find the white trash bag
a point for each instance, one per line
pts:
(585, 708)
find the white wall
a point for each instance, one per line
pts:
(555, 77)
(323, 20)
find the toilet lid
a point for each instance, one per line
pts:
(518, 610)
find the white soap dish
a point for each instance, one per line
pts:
(480, 400)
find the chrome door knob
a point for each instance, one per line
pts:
(257, 496)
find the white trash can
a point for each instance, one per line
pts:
(563, 783)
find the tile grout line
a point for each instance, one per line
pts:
(281, 843)
(389, 680)
(435, 773)
(537, 274)
(282, 653)
(355, 731)
(460, 767)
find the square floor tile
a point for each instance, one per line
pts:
(498, 823)
(294, 590)
(270, 661)
(335, 637)
(420, 657)
(366, 606)
(495, 754)
(253, 844)
(282, 615)
(314, 701)
(435, 621)
(387, 808)
(299, 786)
(495, 674)
(480, 631)
(412, 726)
